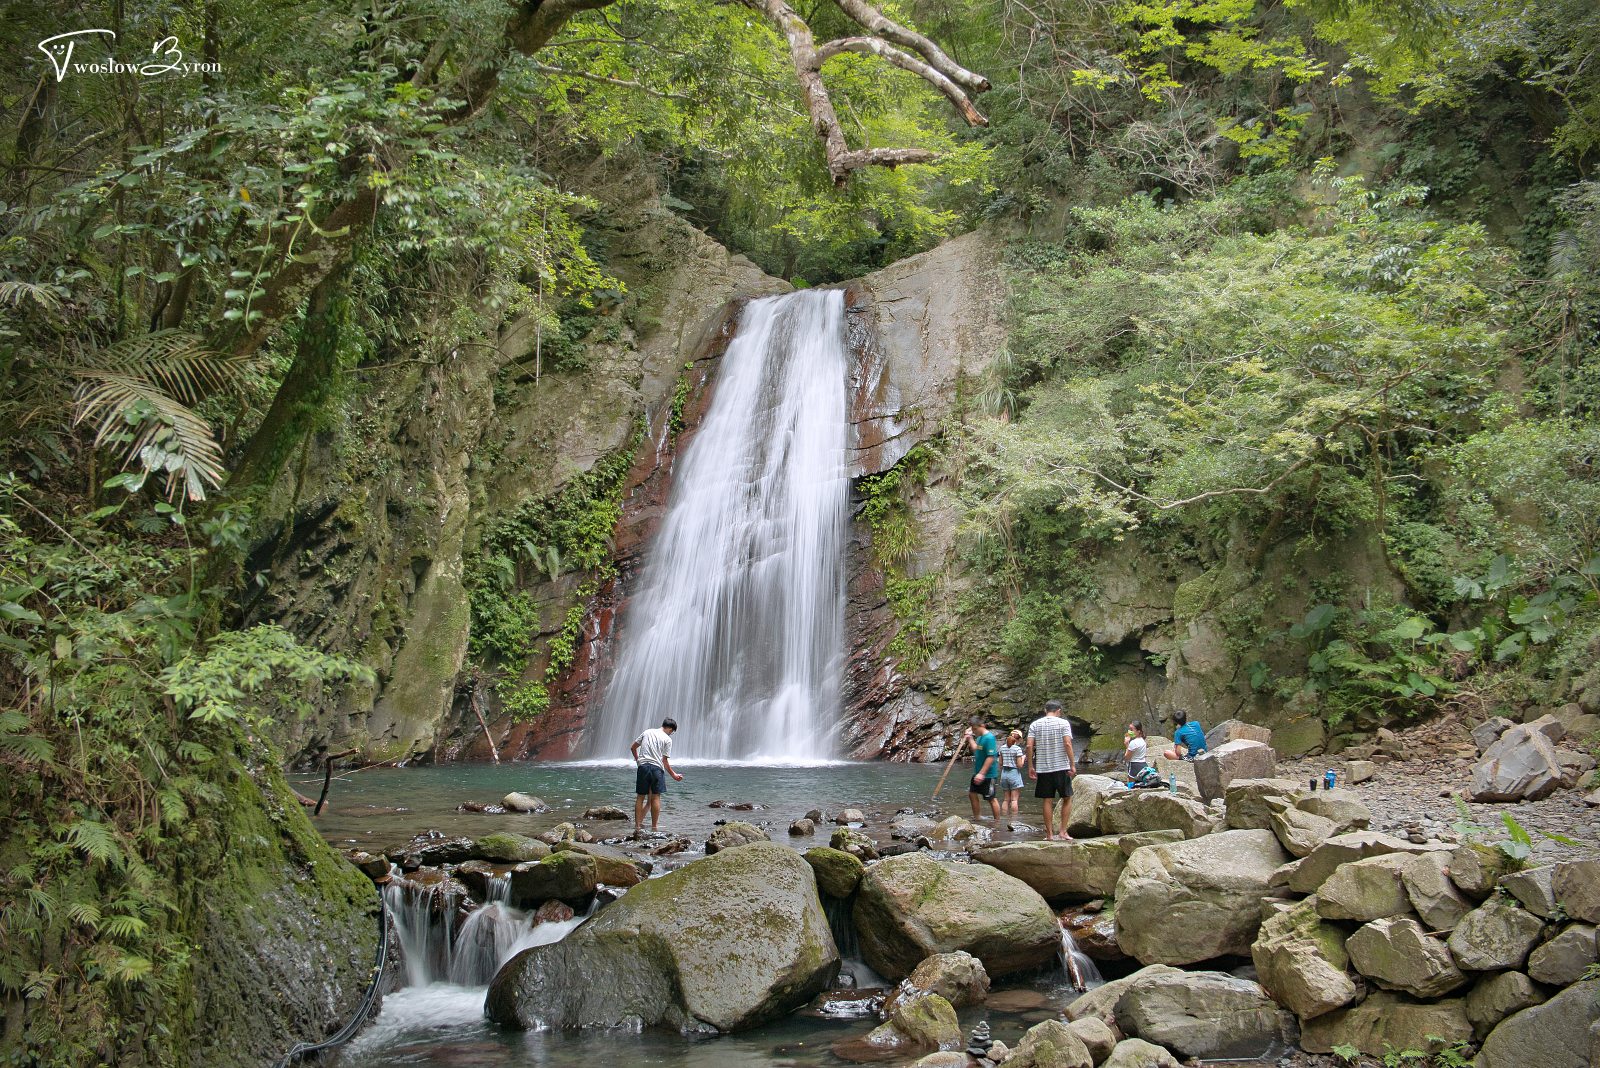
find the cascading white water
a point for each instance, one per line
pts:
(737, 631)
(1077, 964)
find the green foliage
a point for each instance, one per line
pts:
(229, 680)
(887, 512)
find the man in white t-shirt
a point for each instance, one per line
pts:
(1051, 766)
(651, 755)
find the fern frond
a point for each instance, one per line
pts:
(173, 361)
(169, 437)
(15, 291)
(96, 840)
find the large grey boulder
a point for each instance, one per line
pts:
(1344, 807)
(1101, 1002)
(1246, 801)
(912, 906)
(1555, 1034)
(1233, 760)
(1306, 875)
(1432, 893)
(1051, 1044)
(566, 876)
(838, 873)
(1300, 960)
(1204, 1014)
(1521, 765)
(1367, 889)
(1153, 810)
(1088, 794)
(1137, 1053)
(1096, 1035)
(1498, 995)
(508, 848)
(1387, 1021)
(959, 978)
(1399, 955)
(1476, 868)
(1236, 730)
(724, 943)
(1563, 960)
(917, 1020)
(1190, 901)
(1495, 936)
(1489, 731)
(1061, 872)
(1535, 888)
(1301, 832)
(1576, 884)
(735, 833)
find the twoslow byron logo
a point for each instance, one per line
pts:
(168, 57)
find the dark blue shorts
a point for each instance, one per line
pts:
(649, 779)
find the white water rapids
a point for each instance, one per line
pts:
(737, 630)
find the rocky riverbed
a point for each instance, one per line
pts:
(1275, 923)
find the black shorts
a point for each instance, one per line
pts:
(1053, 784)
(984, 789)
(649, 779)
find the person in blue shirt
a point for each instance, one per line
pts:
(985, 765)
(1188, 739)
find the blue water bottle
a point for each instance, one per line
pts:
(1172, 783)
(1328, 780)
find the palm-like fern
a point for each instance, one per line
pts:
(148, 386)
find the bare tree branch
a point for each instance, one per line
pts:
(622, 83)
(905, 61)
(871, 18)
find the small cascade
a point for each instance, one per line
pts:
(487, 937)
(1079, 968)
(843, 928)
(424, 919)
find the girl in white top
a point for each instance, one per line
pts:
(1012, 759)
(1134, 747)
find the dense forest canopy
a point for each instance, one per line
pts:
(1292, 267)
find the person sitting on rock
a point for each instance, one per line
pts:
(1134, 749)
(1188, 739)
(650, 752)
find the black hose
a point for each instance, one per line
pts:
(348, 1031)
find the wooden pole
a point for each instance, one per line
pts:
(327, 778)
(947, 768)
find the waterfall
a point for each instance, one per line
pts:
(737, 630)
(1077, 964)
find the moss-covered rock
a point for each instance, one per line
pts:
(724, 943)
(509, 848)
(1301, 961)
(838, 873)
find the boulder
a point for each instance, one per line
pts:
(1190, 901)
(1398, 954)
(1218, 767)
(1301, 961)
(561, 832)
(1555, 1034)
(1137, 1053)
(1307, 874)
(613, 867)
(604, 812)
(724, 943)
(1153, 810)
(959, 978)
(1344, 807)
(1550, 726)
(1495, 936)
(946, 1058)
(432, 850)
(1534, 887)
(855, 843)
(1301, 832)
(1387, 1021)
(1236, 730)
(911, 827)
(1101, 1002)
(733, 834)
(850, 815)
(1563, 960)
(1432, 893)
(802, 827)
(1359, 771)
(1476, 868)
(1521, 765)
(918, 1020)
(1051, 1044)
(1574, 765)
(1368, 889)
(1096, 1035)
(838, 873)
(509, 848)
(566, 876)
(374, 866)
(1246, 801)
(515, 802)
(1489, 731)
(1499, 995)
(1088, 794)
(1203, 1014)
(1061, 872)
(911, 907)
(1576, 884)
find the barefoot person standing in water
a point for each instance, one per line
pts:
(1050, 763)
(650, 752)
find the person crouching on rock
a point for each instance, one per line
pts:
(986, 766)
(1188, 740)
(1012, 758)
(650, 754)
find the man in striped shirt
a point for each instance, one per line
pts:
(1051, 764)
